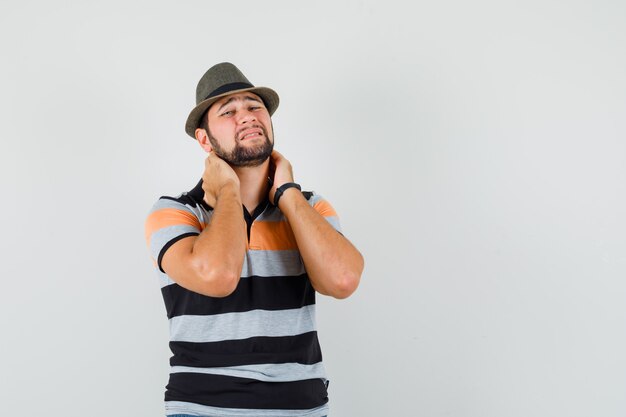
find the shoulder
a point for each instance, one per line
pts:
(323, 207)
(193, 198)
(172, 218)
(191, 201)
(172, 214)
(319, 203)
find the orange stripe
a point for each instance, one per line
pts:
(266, 235)
(324, 208)
(169, 217)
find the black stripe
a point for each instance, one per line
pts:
(249, 218)
(303, 348)
(193, 198)
(185, 199)
(252, 293)
(232, 392)
(197, 194)
(170, 243)
(228, 87)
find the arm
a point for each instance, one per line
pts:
(211, 263)
(333, 264)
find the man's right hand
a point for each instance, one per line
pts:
(218, 176)
(211, 262)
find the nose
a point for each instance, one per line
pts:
(246, 116)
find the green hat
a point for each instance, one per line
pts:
(219, 81)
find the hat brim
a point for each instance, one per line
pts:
(269, 97)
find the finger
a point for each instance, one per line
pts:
(277, 156)
(216, 156)
(212, 158)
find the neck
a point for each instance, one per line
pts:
(253, 184)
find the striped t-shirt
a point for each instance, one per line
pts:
(256, 351)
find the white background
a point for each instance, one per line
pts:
(475, 152)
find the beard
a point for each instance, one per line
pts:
(244, 156)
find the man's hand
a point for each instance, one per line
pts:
(211, 263)
(333, 264)
(217, 175)
(283, 173)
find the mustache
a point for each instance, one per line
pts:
(238, 132)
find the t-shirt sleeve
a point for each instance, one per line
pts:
(167, 223)
(323, 207)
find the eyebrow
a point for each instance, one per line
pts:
(249, 98)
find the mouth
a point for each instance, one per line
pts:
(251, 133)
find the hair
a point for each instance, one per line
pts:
(204, 121)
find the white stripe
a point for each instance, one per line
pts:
(180, 407)
(236, 326)
(271, 372)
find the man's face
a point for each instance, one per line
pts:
(240, 129)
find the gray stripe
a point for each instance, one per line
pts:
(164, 279)
(334, 222)
(271, 214)
(235, 326)
(180, 407)
(272, 263)
(160, 237)
(315, 198)
(271, 372)
(262, 263)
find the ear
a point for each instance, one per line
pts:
(203, 140)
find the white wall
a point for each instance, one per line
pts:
(474, 151)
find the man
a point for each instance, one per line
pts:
(239, 288)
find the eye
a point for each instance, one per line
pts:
(227, 113)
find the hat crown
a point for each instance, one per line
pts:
(220, 77)
(219, 81)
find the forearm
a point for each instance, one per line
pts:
(333, 264)
(218, 252)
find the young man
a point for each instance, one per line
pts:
(240, 258)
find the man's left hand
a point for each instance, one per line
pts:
(283, 173)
